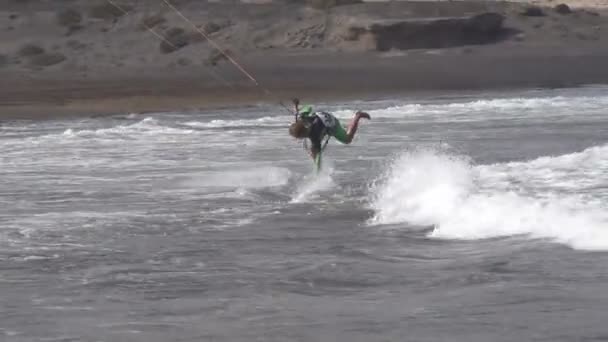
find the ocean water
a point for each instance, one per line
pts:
(453, 217)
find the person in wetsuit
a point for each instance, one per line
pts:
(319, 125)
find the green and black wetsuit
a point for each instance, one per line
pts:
(321, 124)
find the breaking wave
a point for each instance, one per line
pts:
(432, 188)
(498, 108)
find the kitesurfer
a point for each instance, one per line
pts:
(319, 126)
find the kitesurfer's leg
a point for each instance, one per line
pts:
(346, 137)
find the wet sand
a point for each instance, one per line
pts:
(314, 78)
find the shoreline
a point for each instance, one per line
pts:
(78, 59)
(311, 78)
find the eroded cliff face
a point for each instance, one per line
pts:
(438, 33)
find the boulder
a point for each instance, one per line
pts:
(533, 11)
(562, 9)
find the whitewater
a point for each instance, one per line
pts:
(457, 217)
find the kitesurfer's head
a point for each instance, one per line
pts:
(298, 130)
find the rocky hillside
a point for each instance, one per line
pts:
(96, 37)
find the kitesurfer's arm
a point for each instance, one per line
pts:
(296, 103)
(306, 113)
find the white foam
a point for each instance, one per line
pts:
(423, 177)
(147, 126)
(576, 172)
(267, 121)
(484, 109)
(461, 201)
(252, 178)
(39, 257)
(315, 183)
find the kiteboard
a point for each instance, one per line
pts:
(317, 163)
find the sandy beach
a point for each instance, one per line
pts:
(83, 58)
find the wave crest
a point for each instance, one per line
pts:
(462, 201)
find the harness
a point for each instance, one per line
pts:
(327, 137)
(328, 122)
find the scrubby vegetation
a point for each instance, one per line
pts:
(151, 21)
(175, 39)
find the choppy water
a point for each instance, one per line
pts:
(457, 218)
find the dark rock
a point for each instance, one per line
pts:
(46, 59)
(354, 33)
(215, 26)
(562, 9)
(75, 45)
(174, 31)
(488, 23)
(151, 21)
(325, 4)
(216, 56)
(211, 27)
(175, 39)
(195, 37)
(73, 29)
(30, 50)
(108, 11)
(68, 17)
(184, 62)
(439, 33)
(533, 11)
